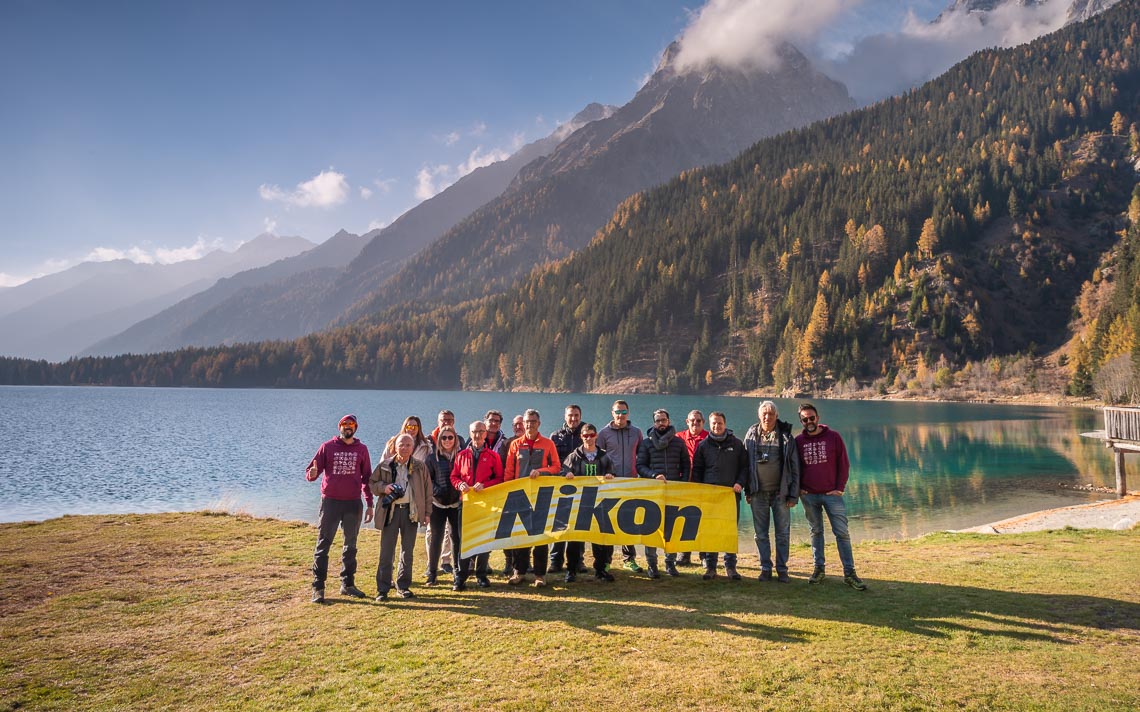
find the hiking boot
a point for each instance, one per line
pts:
(483, 581)
(459, 585)
(515, 579)
(318, 595)
(604, 576)
(685, 559)
(854, 581)
(730, 572)
(651, 572)
(430, 580)
(671, 569)
(709, 574)
(783, 577)
(350, 590)
(817, 576)
(406, 594)
(571, 577)
(632, 567)
(539, 582)
(765, 575)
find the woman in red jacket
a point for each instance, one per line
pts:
(475, 468)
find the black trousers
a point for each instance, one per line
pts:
(439, 517)
(481, 561)
(520, 560)
(345, 514)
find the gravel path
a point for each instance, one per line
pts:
(1110, 514)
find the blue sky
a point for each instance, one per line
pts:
(161, 129)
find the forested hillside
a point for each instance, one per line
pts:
(990, 211)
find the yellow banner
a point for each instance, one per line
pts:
(675, 516)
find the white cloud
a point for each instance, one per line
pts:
(430, 180)
(11, 280)
(451, 139)
(479, 158)
(327, 189)
(385, 186)
(158, 255)
(270, 225)
(891, 62)
(747, 33)
(365, 192)
(377, 225)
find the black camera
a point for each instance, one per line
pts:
(396, 493)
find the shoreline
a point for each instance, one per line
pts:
(1118, 514)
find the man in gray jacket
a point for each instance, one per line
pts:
(620, 439)
(773, 487)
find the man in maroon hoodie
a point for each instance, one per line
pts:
(823, 477)
(345, 463)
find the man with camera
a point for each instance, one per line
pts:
(773, 487)
(404, 486)
(346, 466)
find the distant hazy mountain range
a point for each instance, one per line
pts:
(56, 316)
(305, 294)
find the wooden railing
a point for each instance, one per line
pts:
(1122, 424)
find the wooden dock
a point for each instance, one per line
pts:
(1122, 434)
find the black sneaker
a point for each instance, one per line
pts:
(685, 559)
(406, 594)
(709, 574)
(651, 572)
(351, 590)
(604, 576)
(318, 595)
(571, 577)
(459, 585)
(854, 581)
(765, 575)
(381, 597)
(783, 577)
(483, 581)
(818, 575)
(430, 580)
(730, 572)
(671, 569)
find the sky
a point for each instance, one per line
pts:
(160, 130)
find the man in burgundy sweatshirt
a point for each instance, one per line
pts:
(346, 466)
(823, 477)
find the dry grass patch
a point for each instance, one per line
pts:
(199, 611)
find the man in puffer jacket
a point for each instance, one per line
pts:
(721, 460)
(663, 456)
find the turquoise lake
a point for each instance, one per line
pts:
(916, 467)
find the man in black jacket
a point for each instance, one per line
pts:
(721, 459)
(662, 455)
(566, 440)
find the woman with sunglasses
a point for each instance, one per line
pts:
(444, 504)
(588, 460)
(412, 426)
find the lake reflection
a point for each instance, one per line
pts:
(916, 467)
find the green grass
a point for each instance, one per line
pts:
(198, 611)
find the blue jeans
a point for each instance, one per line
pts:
(814, 506)
(772, 508)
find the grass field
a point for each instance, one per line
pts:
(206, 611)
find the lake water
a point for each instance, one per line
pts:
(916, 467)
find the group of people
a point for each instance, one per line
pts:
(421, 479)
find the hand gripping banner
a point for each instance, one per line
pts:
(675, 516)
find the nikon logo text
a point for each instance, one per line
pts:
(636, 517)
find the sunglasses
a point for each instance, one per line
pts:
(660, 420)
(444, 438)
(621, 412)
(411, 426)
(696, 420)
(589, 435)
(809, 418)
